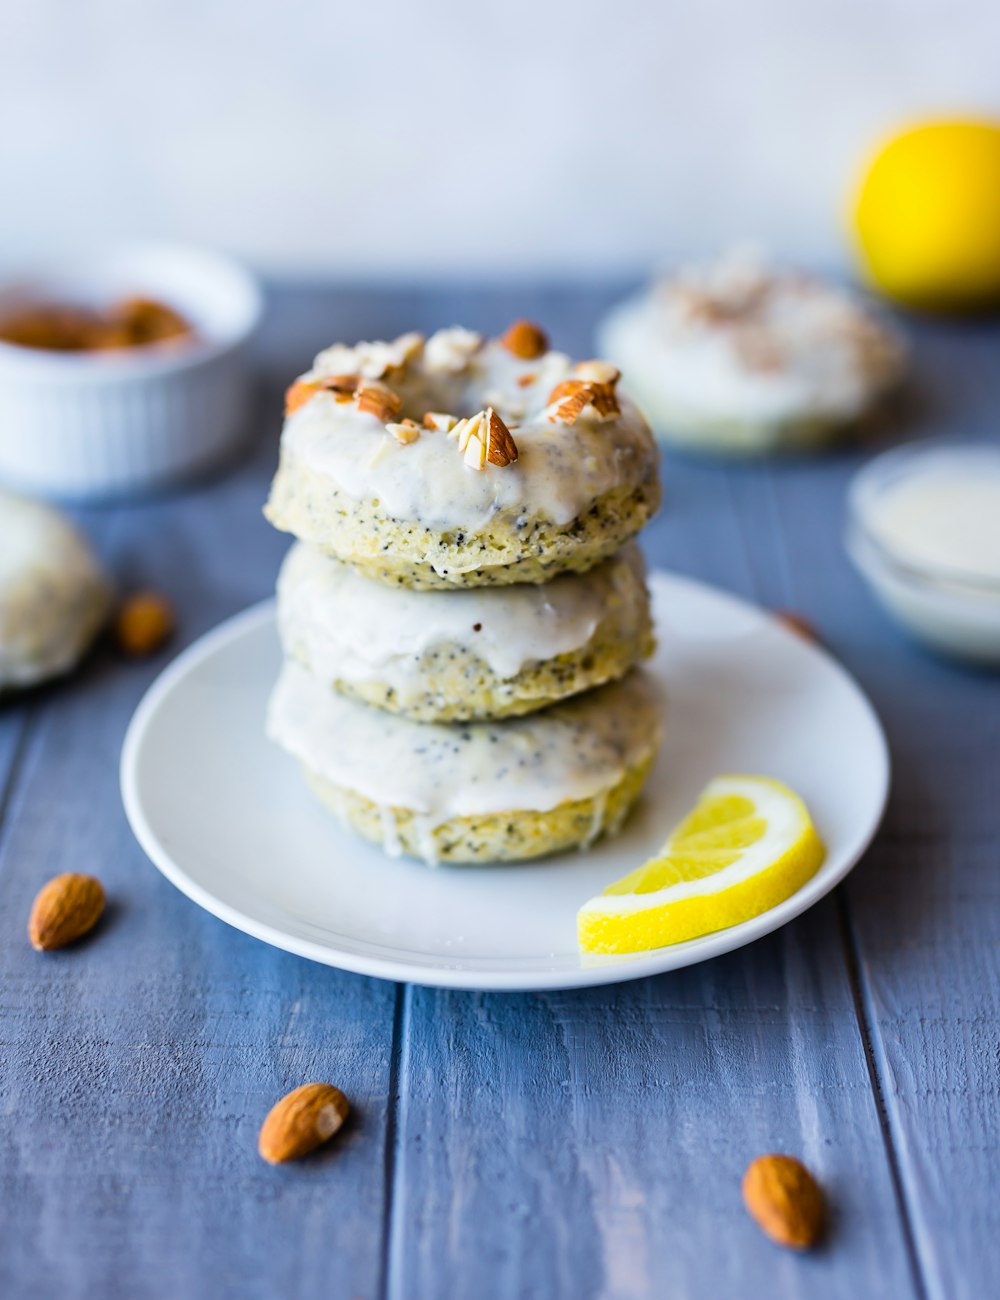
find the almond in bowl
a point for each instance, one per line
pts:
(121, 374)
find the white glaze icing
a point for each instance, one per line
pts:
(52, 593)
(945, 518)
(572, 751)
(736, 341)
(560, 469)
(352, 628)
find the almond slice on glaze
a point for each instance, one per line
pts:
(439, 421)
(404, 433)
(569, 398)
(501, 448)
(526, 340)
(597, 372)
(572, 396)
(449, 351)
(377, 399)
(484, 438)
(372, 360)
(299, 393)
(475, 444)
(342, 386)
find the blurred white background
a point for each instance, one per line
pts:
(418, 137)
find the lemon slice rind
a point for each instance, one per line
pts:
(756, 878)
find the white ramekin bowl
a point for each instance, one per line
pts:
(92, 425)
(955, 613)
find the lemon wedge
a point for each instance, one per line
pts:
(747, 845)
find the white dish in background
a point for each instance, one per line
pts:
(92, 425)
(228, 819)
(924, 530)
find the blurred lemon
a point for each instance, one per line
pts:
(927, 215)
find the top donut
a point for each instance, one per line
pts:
(462, 461)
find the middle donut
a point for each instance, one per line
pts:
(478, 653)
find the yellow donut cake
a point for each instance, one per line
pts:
(459, 462)
(53, 594)
(482, 652)
(478, 792)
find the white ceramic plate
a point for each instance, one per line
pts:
(226, 817)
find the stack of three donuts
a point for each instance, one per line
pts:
(465, 609)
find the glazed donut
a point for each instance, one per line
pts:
(458, 461)
(739, 358)
(53, 595)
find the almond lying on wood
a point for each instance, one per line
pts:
(797, 624)
(785, 1199)
(143, 624)
(64, 910)
(301, 1121)
(525, 340)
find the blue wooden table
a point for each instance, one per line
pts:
(575, 1144)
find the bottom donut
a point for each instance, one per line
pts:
(477, 792)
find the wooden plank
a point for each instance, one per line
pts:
(923, 907)
(592, 1143)
(138, 1067)
(12, 724)
(586, 1144)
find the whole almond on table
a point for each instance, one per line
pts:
(143, 624)
(301, 1121)
(797, 624)
(65, 910)
(786, 1200)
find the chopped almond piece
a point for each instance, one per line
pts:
(341, 384)
(449, 351)
(404, 433)
(473, 442)
(598, 372)
(299, 393)
(569, 398)
(500, 447)
(572, 395)
(525, 340)
(439, 421)
(378, 400)
(342, 387)
(485, 439)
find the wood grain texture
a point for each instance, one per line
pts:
(138, 1066)
(570, 1145)
(924, 908)
(591, 1144)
